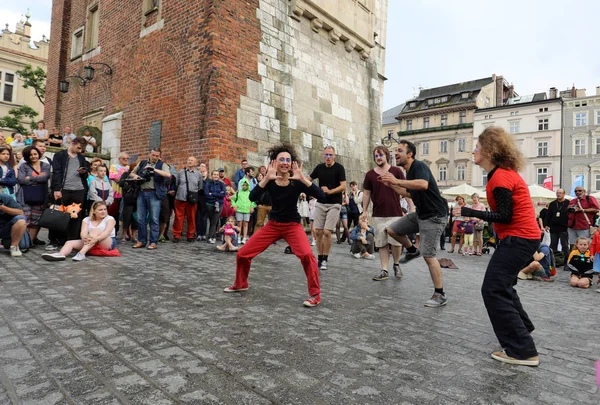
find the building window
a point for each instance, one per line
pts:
(443, 146)
(430, 102)
(425, 148)
(542, 173)
(462, 145)
(545, 109)
(597, 146)
(462, 117)
(542, 148)
(484, 178)
(150, 5)
(579, 146)
(413, 104)
(597, 117)
(464, 95)
(543, 124)
(444, 119)
(444, 99)
(409, 125)
(442, 173)
(91, 30)
(581, 119)
(460, 172)
(514, 127)
(426, 122)
(597, 182)
(77, 43)
(488, 117)
(7, 86)
(390, 132)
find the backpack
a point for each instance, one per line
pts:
(352, 205)
(24, 243)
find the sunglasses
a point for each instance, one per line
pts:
(579, 191)
(285, 160)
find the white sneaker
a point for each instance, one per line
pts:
(313, 243)
(53, 257)
(357, 255)
(212, 241)
(78, 257)
(15, 252)
(242, 241)
(50, 247)
(369, 256)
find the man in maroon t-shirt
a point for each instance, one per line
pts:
(386, 210)
(582, 212)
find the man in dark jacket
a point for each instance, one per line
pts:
(557, 223)
(69, 186)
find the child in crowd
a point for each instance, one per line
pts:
(468, 228)
(581, 265)
(230, 235)
(100, 188)
(243, 208)
(29, 139)
(228, 210)
(303, 208)
(311, 217)
(595, 256)
(362, 238)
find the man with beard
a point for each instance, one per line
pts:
(386, 210)
(430, 217)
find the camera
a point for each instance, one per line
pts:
(146, 174)
(571, 210)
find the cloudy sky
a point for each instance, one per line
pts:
(534, 44)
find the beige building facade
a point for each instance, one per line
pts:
(16, 51)
(440, 123)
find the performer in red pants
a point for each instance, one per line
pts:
(284, 181)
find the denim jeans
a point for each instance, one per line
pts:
(511, 323)
(148, 202)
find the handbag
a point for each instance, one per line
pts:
(190, 196)
(479, 226)
(593, 228)
(35, 194)
(55, 220)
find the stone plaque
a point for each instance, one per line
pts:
(155, 134)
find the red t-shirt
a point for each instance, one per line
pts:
(577, 219)
(523, 223)
(386, 202)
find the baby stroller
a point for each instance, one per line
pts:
(489, 239)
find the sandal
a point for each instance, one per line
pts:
(138, 245)
(460, 251)
(451, 251)
(478, 254)
(152, 246)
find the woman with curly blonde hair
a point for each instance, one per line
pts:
(519, 236)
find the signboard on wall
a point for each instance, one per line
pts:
(155, 134)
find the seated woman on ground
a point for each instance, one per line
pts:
(539, 266)
(363, 240)
(97, 229)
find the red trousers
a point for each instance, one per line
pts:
(293, 233)
(187, 210)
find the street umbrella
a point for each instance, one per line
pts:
(541, 194)
(464, 190)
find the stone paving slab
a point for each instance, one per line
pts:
(153, 327)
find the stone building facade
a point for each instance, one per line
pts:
(222, 80)
(16, 51)
(535, 122)
(581, 139)
(440, 123)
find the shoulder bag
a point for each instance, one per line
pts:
(36, 193)
(55, 220)
(593, 228)
(190, 196)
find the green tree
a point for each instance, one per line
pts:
(16, 116)
(36, 79)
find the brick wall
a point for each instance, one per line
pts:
(189, 74)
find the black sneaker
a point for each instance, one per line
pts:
(175, 240)
(381, 276)
(191, 240)
(38, 242)
(409, 256)
(397, 271)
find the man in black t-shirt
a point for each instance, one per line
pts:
(430, 217)
(332, 180)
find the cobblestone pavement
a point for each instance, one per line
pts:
(153, 327)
